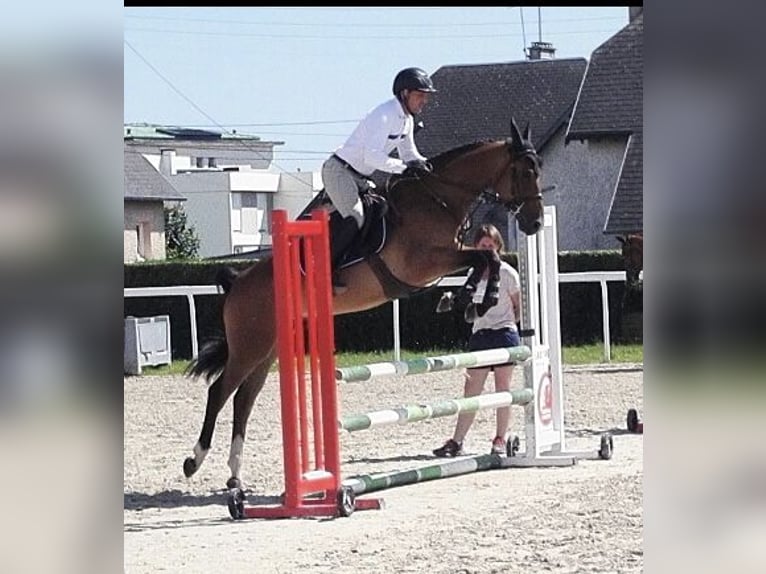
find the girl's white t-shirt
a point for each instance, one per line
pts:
(501, 315)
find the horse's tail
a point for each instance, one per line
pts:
(215, 351)
(211, 359)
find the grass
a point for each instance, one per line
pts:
(580, 355)
(590, 354)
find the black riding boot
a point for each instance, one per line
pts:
(343, 231)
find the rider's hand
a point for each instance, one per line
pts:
(417, 167)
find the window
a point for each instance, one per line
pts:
(251, 212)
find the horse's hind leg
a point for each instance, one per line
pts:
(217, 395)
(243, 406)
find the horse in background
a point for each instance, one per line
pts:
(631, 316)
(632, 256)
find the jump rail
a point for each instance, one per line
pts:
(381, 481)
(415, 413)
(432, 364)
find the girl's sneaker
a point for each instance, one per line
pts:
(498, 445)
(450, 448)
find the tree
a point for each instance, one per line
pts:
(181, 240)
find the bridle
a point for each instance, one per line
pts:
(514, 206)
(488, 193)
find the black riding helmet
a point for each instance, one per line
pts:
(413, 79)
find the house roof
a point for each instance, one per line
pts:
(144, 183)
(611, 99)
(626, 214)
(160, 132)
(476, 102)
(611, 103)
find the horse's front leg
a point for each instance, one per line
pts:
(449, 260)
(491, 294)
(467, 291)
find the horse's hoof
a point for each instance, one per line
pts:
(233, 482)
(445, 303)
(470, 314)
(190, 467)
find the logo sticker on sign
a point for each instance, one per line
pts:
(544, 398)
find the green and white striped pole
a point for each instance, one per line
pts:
(380, 481)
(414, 413)
(432, 364)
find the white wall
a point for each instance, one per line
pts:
(296, 190)
(585, 175)
(209, 212)
(149, 215)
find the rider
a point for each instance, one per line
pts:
(387, 127)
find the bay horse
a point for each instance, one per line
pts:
(423, 245)
(632, 255)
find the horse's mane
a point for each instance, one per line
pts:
(441, 160)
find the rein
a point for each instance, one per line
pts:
(485, 196)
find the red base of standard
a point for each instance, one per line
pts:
(309, 508)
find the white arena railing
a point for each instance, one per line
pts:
(190, 291)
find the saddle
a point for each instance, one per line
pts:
(371, 238)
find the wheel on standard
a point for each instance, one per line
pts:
(346, 501)
(607, 447)
(236, 503)
(512, 445)
(632, 420)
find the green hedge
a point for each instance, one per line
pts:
(421, 328)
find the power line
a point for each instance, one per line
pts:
(277, 124)
(200, 110)
(289, 36)
(357, 25)
(523, 32)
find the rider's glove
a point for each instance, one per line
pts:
(417, 167)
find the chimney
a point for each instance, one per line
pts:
(166, 161)
(541, 51)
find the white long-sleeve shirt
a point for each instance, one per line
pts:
(385, 128)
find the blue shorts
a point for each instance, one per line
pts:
(485, 339)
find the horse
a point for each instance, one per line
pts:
(424, 244)
(632, 255)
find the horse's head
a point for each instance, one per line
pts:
(519, 186)
(632, 255)
(503, 171)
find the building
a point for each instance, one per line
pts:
(476, 102)
(585, 118)
(608, 120)
(227, 181)
(145, 194)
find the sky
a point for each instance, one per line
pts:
(305, 76)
